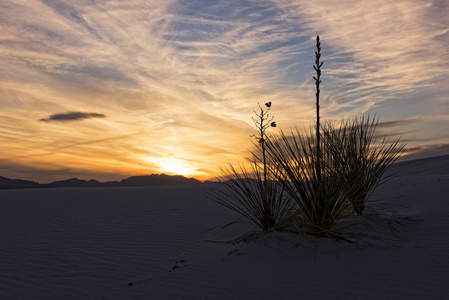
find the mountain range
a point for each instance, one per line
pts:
(145, 180)
(436, 165)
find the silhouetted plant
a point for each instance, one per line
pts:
(320, 203)
(360, 158)
(326, 176)
(251, 193)
(263, 122)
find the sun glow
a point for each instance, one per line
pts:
(175, 166)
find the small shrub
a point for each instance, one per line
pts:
(262, 202)
(315, 189)
(251, 193)
(360, 157)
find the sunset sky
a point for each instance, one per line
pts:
(111, 89)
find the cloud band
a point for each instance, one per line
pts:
(72, 116)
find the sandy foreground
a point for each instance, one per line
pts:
(171, 243)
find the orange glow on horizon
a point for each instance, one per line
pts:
(175, 166)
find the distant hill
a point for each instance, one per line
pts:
(74, 182)
(436, 165)
(144, 180)
(6, 183)
(158, 179)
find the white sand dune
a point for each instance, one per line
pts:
(170, 242)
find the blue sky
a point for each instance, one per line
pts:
(141, 87)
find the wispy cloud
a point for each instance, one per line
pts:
(380, 50)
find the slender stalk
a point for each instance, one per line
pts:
(317, 68)
(263, 123)
(262, 143)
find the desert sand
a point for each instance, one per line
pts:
(173, 243)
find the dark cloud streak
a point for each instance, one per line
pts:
(402, 122)
(72, 116)
(425, 151)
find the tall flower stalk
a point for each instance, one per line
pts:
(317, 79)
(301, 161)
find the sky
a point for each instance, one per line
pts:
(112, 89)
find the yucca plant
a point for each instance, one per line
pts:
(360, 157)
(252, 193)
(316, 191)
(302, 164)
(262, 202)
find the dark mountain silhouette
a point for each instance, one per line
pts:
(74, 182)
(144, 180)
(210, 182)
(435, 165)
(161, 180)
(6, 183)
